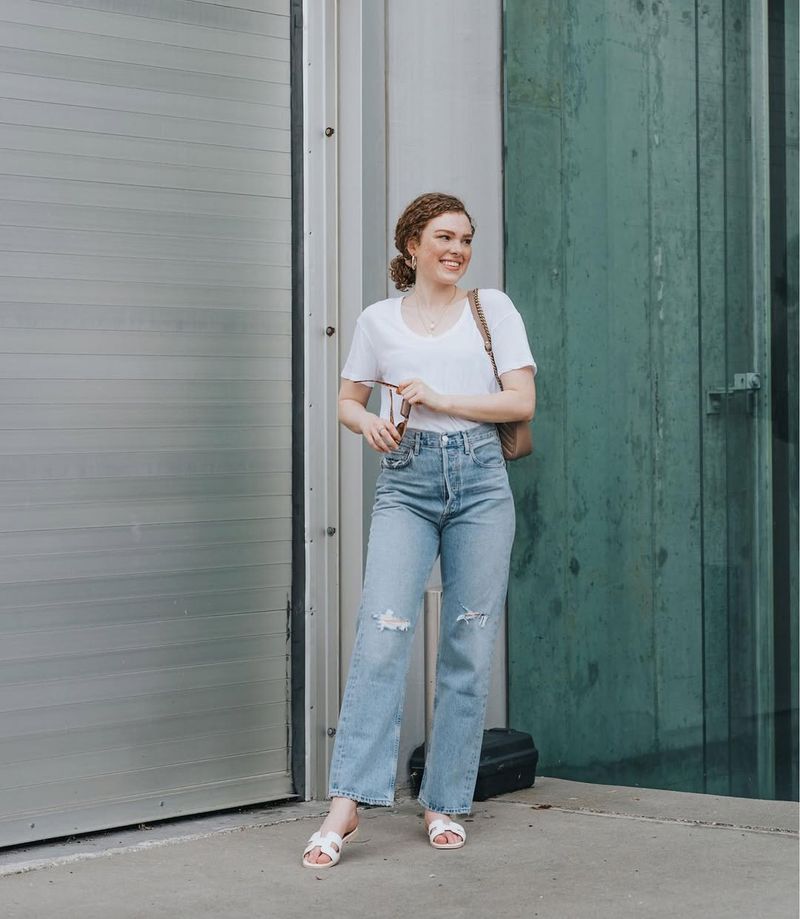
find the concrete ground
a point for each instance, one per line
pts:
(560, 850)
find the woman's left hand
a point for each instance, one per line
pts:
(417, 392)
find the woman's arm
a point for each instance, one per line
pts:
(353, 398)
(517, 402)
(380, 433)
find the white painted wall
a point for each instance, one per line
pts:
(444, 117)
(444, 133)
(431, 120)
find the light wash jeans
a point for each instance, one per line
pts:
(436, 494)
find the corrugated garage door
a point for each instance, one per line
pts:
(145, 410)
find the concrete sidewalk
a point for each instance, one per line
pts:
(560, 849)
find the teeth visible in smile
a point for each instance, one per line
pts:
(451, 264)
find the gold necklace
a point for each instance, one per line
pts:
(431, 324)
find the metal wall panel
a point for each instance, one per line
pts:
(145, 411)
(640, 648)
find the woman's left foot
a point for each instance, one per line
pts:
(442, 839)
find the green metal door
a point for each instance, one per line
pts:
(642, 617)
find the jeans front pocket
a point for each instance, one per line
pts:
(488, 454)
(397, 459)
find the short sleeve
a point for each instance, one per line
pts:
(510, 344)
(362, 362)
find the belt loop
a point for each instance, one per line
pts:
(465, 436)
(417, 438)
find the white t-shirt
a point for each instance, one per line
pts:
(453, 362)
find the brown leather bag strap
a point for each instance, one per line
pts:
(483, 328)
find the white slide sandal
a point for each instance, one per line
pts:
(326, 844)
(439, 826)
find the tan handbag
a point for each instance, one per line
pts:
(516, 438)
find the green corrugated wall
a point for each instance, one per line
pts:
(636, 652)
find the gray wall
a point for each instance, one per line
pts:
(145, 473)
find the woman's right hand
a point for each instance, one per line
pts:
(380, 433)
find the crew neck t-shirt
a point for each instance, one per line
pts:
(454, 362)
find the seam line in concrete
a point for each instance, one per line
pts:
(683, 821)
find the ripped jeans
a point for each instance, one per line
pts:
(442, 495)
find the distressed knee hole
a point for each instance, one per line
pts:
(391, 621)
(470, 615)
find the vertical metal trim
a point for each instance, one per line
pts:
(761, 293)
(726, 363)
(504, 236)
(387, 140)
(354, 180)
(320, 459)
(781, 341)
(700, 394)
(297, 613)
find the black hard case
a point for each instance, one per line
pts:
(508, 763)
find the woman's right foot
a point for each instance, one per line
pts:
(342, 819)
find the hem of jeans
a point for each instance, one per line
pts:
(444, 810)
(362, 799)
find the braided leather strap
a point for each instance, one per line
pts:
(515, 436)
(487, 336)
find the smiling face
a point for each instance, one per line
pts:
(445, 248)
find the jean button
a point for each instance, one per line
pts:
(444, 438)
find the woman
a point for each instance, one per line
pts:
(442, 490)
